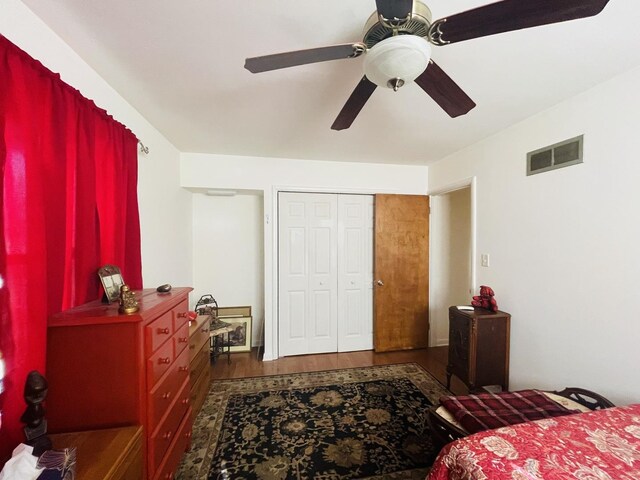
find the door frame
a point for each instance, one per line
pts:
(469, 182)
(275, 190)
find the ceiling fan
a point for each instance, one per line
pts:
(397, 46)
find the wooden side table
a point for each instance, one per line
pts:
(479, 347)
(220, 346)
(110, 454)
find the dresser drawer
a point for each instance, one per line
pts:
(200, 363)
(182, 441)
(159, 363)
(163, 394)
(181, 339)
(166, 431)
(199, 389)
(179, 315)
(199, 337)
(161, 397)
(158, 332)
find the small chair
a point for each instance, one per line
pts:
(447, 429)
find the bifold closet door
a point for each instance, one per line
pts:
(307, 284)
(355, 272)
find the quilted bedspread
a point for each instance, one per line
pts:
(599, 445)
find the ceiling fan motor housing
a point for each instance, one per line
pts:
(419, 24)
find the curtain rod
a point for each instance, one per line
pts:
(143, 148)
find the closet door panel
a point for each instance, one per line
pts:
(355, 276)
(297, 307)
(307, 287)
(323, 283)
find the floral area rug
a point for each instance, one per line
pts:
(342, 424)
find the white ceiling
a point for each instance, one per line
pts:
(180, 63)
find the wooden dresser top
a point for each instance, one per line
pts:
(100, 453)
(150, 301)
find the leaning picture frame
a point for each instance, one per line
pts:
(111, 279)
(240, 336)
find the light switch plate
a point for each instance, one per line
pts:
(484, 260)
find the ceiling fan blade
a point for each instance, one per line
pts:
(354, 104)
(510, 15)
(302, 57)
(392, 9)
(445, 91)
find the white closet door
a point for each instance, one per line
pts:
(307, 273)
(355, 272)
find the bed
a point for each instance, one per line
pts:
(598, 445)
(448, 426)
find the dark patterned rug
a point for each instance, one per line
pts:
(341, 424)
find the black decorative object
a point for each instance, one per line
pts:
(35, 431)
(207, 305)
(164, 288)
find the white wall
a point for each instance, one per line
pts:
(228, 253)
(564, 245)
(269, 175)
(449, 259)
(164, 206)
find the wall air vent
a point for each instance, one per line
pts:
(560, 155)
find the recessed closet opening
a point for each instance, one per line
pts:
(228, 251)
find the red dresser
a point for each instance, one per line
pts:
(110, 370)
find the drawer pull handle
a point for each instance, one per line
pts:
(169, 476)
(182, 340)
(166, 396)
(164, 361)
(183, 369)
(163, 331)
(167, 435)
(204, 330)
(187, 435)
(182, 315)
(185, 401)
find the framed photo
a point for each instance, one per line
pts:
(240, 336)
(112, 280)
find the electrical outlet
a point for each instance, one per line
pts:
(484, 260)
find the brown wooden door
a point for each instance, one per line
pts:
(401, 278)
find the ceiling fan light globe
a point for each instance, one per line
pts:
(403, 56)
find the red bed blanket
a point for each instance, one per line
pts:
(599, 445)
(486, 411)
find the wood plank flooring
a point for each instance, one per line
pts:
(433, 360)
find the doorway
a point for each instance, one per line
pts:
(452, 257)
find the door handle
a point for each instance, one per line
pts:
(380, 283)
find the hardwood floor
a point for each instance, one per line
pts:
(433, 360)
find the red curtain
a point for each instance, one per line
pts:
(68, 179)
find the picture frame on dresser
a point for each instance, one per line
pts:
(111, 279)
